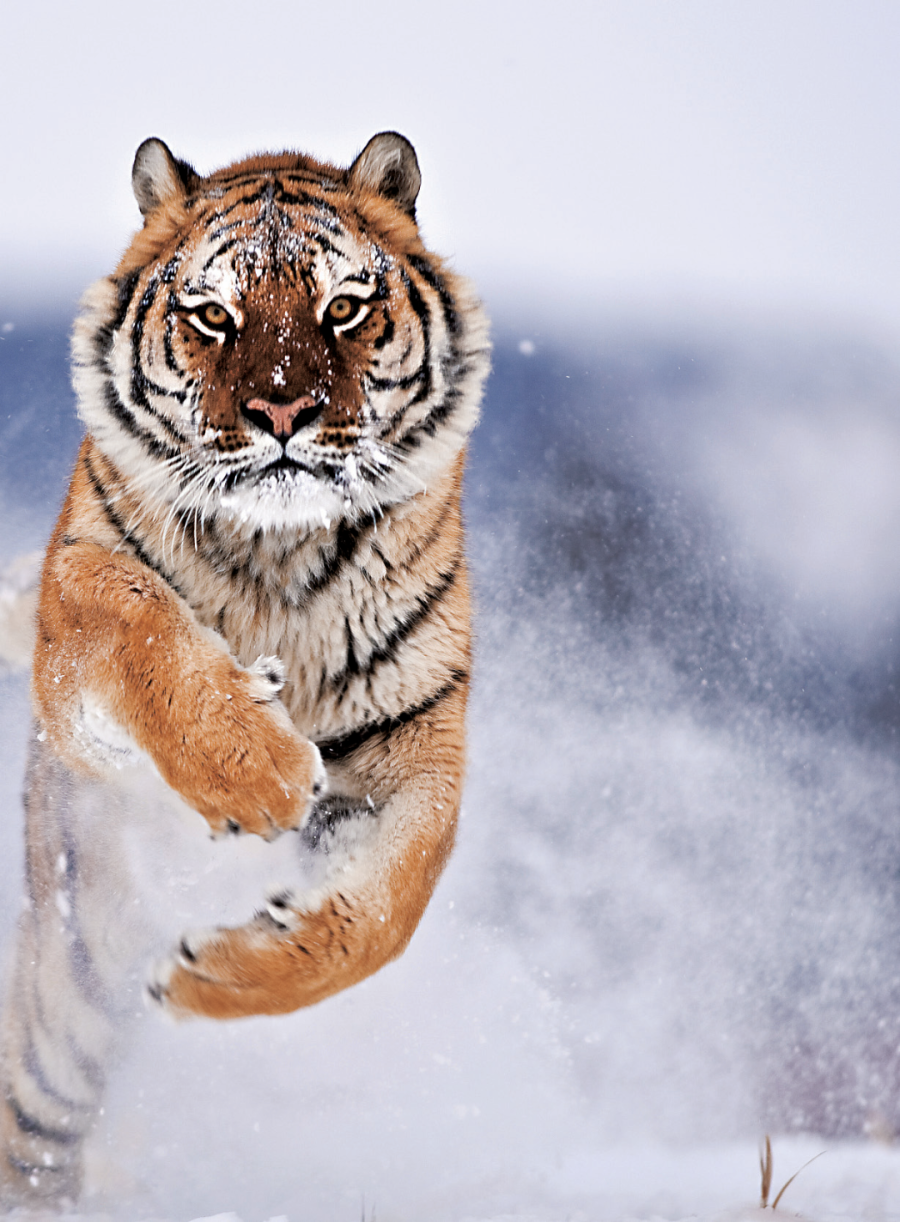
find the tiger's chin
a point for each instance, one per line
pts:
(282, 500)
(289, 498)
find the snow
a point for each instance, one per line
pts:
(670, 925)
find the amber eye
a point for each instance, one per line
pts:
(345, 312)
(214, 315)
(342, 308)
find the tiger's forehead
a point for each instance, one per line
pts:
(274, 229)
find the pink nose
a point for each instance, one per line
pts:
(283, 415)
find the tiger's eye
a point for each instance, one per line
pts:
(215, 315)
(341, 309)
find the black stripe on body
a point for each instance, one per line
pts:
(29, 1169)
(346, 546)
(31, 1063)
(84, 971)
(36, 1128)
(88, 979)
(421, 545)
(387, 651)
(119, 526)
(54, 1032)
(342, 745)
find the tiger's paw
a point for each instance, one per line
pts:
(244, 767)
(277, 791)
(286, 957)
(227, 973)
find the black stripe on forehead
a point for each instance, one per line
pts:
(216, 254)
(278, 224)
(242, 201)
(325, 246)
(277, 192)
(305, 200)
(295, 174)
(222, 229)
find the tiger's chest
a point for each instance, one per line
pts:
(340, 620)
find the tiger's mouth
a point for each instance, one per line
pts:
(283, 463)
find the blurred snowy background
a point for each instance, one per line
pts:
(673, 920)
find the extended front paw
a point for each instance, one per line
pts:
(269, 789)
(241, 763)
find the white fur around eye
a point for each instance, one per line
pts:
(353, 321)
(361, 300)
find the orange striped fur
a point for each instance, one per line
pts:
(255, 605)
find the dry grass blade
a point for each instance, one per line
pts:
(794, 1176)
(765, 1171)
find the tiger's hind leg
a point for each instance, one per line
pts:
(60, 1021)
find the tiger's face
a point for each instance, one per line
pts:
(288, 354)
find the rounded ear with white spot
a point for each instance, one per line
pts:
(157, 176)
(388, 166)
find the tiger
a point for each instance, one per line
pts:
(253, 618)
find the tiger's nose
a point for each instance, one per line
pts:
(282, 420)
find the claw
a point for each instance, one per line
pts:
(278, 909)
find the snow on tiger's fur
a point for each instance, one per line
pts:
(257, 592)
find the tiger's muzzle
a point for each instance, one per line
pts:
(282, 420)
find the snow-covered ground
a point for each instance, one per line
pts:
(671, 924)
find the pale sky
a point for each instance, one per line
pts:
(733, 151)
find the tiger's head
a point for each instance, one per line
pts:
(277, 346)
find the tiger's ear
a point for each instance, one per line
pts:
(157, 176)
(388, 166)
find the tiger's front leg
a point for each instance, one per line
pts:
(118, 651)
(301, 949)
